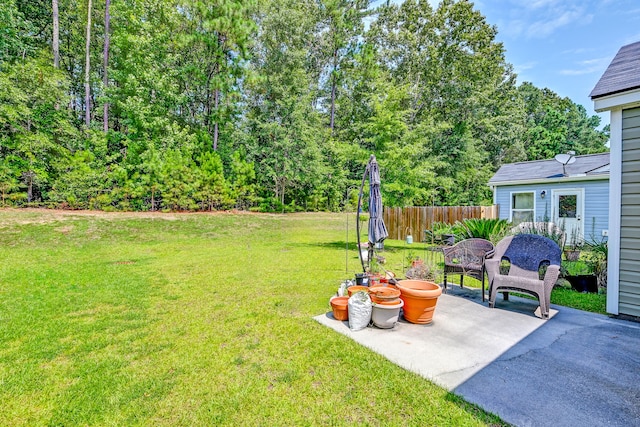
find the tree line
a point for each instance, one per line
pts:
(269, 105)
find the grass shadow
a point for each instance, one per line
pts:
(475, 410)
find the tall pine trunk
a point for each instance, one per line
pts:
(56, 34)
(333, 89)
(216, 93)
(107, 21)
(216, 104)
(87, 69)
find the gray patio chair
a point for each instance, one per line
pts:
(467, 257)
(533, 268)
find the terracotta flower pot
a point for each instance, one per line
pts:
(420, 298)
(340, 307)
(353, 289)
(384, 295)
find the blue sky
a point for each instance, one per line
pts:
(564, 45)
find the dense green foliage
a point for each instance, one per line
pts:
(265, 104)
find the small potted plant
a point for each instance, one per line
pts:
(580, 275)
(413, 259)
(573, 248)
(441, 234)
(420, 270)
(373, 271)
(596, 258)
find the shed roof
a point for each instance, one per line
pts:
(587, 165)
(622, 74)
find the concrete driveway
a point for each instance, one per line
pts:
(575, 369)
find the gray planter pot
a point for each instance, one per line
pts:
(386, 316)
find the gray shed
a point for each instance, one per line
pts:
(618, 91)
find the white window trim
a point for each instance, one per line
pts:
(511, 193)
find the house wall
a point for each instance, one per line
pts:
(596, 202)
(629, 276)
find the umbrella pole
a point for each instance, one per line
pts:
(364, 176)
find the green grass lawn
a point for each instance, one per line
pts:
(191, 319)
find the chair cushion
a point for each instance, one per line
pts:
(527, 251)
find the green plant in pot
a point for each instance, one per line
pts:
(423, 271)
(596, 259)
(374, 271)
(374, 266)
(596, 255)
(580, 275)
(413, 259)
(441, 233)
(574, 246)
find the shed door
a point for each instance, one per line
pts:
(568, 213)
(629, 302)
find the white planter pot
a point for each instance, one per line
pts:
(386, 316)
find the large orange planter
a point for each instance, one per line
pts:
(420, 298)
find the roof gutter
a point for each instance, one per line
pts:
(628, 98)
(599, 177)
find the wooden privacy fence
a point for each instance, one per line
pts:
(400, 221)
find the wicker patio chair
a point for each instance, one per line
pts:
(529, 257)
(466, 258)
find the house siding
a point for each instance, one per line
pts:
(596, 202)
(629, 300)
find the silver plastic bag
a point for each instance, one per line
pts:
(359, 311)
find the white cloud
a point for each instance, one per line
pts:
(542, 18)
(588, 66)
(577, 51)
(513, 28)
(579, 72)
(522, 71)
(537, 4)
(544, 27)
(519, 68)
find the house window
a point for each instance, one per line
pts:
(522, 207)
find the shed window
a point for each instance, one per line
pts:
(522, 207)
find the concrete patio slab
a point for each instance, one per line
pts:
(577, 368)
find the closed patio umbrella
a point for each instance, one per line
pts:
(377, 229)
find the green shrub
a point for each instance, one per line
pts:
(492, 229)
